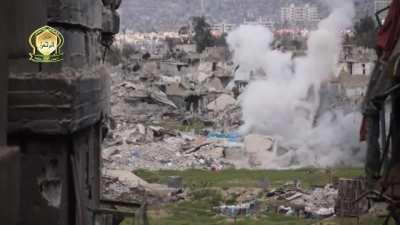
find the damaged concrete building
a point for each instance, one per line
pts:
(56, 113)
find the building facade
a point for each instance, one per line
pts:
(300, 14)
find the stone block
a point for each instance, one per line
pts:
(81, 49)
(110, 21)
(85, 13)
(93, 47)
(57, 103)
(74, 47)
(51, 67)
(23, 65)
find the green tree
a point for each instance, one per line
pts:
(365, 32)
(202, 33)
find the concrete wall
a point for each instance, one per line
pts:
(9, 185)
(82, 22)
(48, 194)
(3, 74)
(56, 110)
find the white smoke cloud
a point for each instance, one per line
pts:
(285, 102)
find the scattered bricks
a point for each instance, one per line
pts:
(110, 21)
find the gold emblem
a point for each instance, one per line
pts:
(46, 43)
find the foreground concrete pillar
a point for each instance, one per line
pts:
(9, 185)
(3, 75)
(396, 130)
(56, 111)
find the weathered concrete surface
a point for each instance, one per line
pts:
(48, 197)
(82, 48)
(396, 134)
(255, 143)
(110, 21)
(86, 150)
(112, 4)
(85, 13)
(74, 47)
(24, 17)
(9, 185)
(44, 181)
(221, 103)
(3, 76)
(56, 110)
(57, 103)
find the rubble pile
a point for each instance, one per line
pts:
(314, 203)
(182, 114)
(120, 185)
(164, 115)
(163, 110)
(176, 153)
(243, 209)
(319, 202)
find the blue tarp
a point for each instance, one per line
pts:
(231, 137)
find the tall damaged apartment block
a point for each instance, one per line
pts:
(56, 111)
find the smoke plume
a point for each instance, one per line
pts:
(284, 101)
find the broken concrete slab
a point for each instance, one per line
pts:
(126, 176)
(215, 84)
(161, 97)
(175, 89)
(255, 143)
(126, 186)
(221, 103)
